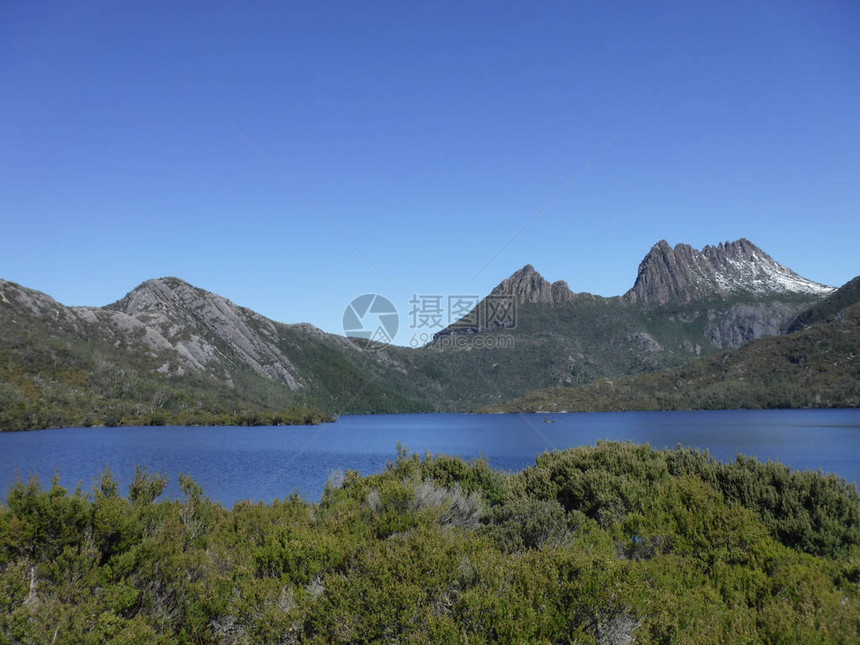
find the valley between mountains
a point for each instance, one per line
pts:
(725, 326)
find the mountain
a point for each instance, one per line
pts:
(207, 332)
(832, 305)
(683, 274)
(697, 301)
(171, 352)
(529, 286)
(563, 339)
(816, 366)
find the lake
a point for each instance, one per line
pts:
(235, 463)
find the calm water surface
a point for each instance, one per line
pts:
(266, 463)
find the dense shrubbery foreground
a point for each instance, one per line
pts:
(592, 545)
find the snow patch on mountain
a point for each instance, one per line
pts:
(683, 274)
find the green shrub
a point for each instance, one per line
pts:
(613, 543)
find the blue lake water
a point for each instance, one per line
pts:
(235, 463)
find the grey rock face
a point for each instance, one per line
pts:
(645, 341)
(29, 301)
(529, 286)
(561, 292)
(740, 323)
(683, 274)
(205, 329)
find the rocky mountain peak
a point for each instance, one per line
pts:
(529, 286)
(684, 274)
(204, 328)
(158, 294)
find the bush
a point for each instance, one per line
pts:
(614, 543)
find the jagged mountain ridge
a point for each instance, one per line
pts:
(683, 274)
(178, 345)
(815, 364)
(567, 338)
(680, 275)
(529, 286)
(735, 290)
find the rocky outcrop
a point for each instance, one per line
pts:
(683, 274)
(561, 292)
(740, 323)
(529, 286)
(208, 331)
(30, 302)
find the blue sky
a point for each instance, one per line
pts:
(428, 135)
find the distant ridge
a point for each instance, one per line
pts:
(816, 366)
(169, 350)
(683, 274)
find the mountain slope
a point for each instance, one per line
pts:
(562, 338)
(169, 350)
(208, 331)
(845, 296)
(818, 366)
(731, 293)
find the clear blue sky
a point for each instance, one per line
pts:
(428, 135)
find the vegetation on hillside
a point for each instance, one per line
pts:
(592, 545)
(845, 296)
(50, 386)
(817, 367)
(50, 378)
(63, 366)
